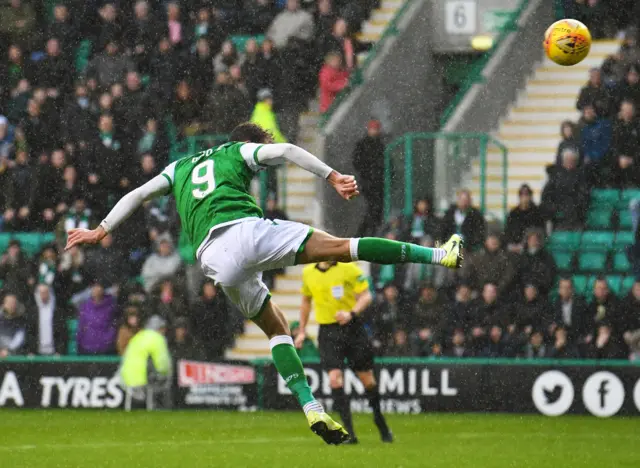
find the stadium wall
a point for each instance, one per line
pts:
(407, 385)
(401, 89)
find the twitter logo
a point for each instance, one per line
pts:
(552, 393)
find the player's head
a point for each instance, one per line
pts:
(250, 133)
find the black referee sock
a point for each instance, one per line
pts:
(342, 405)
(378, 418)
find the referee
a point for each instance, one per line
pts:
(341, 293)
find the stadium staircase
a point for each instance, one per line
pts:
(531, 130)
(374, 27)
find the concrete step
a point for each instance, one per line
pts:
(392, 4)
(530, 114)
(373, 28)
(555, 86)
(368, 37)
(511, 128)
(564, 73)
(515, 172)
(547, 101)
(381, 14)
(288, 283)
(495, 183)
(536, 144)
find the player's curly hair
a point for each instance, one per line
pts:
(251, 133)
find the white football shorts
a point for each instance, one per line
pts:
(236, 256)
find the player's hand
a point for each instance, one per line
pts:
(345, 185)
(300, 339)
(343, 317)
(84, 236)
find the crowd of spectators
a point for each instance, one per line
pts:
(92, 96)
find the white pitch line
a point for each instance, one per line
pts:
(166, 443)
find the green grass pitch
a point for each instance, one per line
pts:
(66, 439)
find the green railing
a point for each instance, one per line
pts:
(475, 76)
(357, 77)
(459, 149)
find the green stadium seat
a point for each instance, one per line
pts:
(592, 261)
(599, 218)
(580, 284)
(48, 237)
(4, 242)
(627, 284)
(605, 197)
(595, 241)
(615, 284)
(563, 259)
(623, 239)
(564, 240)
(621, 263)
(240, 41)
(625, 220)
(626, 197)
(29, 241)
(72, 344)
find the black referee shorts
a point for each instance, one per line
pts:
(350, 342)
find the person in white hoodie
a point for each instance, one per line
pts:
(291, 22)
(47, 333)
(163, 264)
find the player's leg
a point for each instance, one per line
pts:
(360, 355)
(324, 247)
(274, 324)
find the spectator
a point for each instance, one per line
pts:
(269, 66)
(129, 327)
(73, 276)
(416, 274)
(161, 265)
(76, 119)
(426, 321)
(626, 131)
(491, 265)
(152, 143)
(142, 34)
(54, 71)
(457, 348)
(13, 327)
(629, 90)
(535, 348)
(325, 18)
(110, 26)
(227, 106)
(47, 330)
(466, 220)
(616, 65)
(400, 347)
(423, 222)
(293, 22)
(537, 266)
(97, 322)
(109, 67)
(595, 135)
(604, 345)
(565, 197)
(524, 216)
(340, 42)
(211, 320)
(185, 111)
(17, 195)
(104, 264)
(37, 129)
(570, 140)
(605, 309)
(46, 194)
(534, 313)
(333, 78)
(493, 310)
(570, 311)
(226, 58)
(18, 23)
(497, 345)
(595, 94)
(15, 271)
(259, 15)
(207, 28)
(461, 313)
(6, 139)
(625, 172)
(184, 345)
(168, 300)
(250, 68)
(201, 68)
(368, 161)
(174, 26)
(164, 67)
(264, 116)
(630, 307)
(562, 348)
(386, 318)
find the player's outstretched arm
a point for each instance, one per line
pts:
(278, 153)
(156, 187)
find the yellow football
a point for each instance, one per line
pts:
(567, 42)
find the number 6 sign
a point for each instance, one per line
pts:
(460, 17)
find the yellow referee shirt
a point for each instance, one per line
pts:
(333, 290)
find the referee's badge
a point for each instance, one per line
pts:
(337, 292)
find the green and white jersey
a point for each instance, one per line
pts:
(212, 188)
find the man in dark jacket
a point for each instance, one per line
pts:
(13, 327)
(491, 265)
(368, 161)
(17, 196)
(605, 310)
(536, 264)
(211, 321)
(595, 93)
(227, 106)
(466, 220)
(184, 345)
(570, 311)
(524, 216)
(565, 197)
(626, 131)
(16, 272)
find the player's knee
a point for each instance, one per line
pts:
(335, 379)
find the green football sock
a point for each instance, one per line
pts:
(385, 251)
(291, 370)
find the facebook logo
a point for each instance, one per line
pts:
(603, 394)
